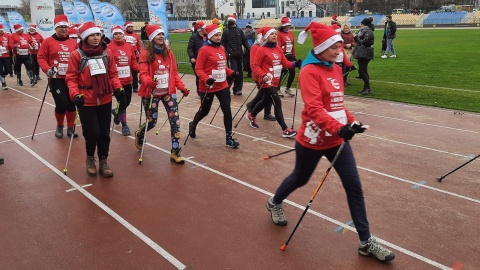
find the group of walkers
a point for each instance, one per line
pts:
(83, 76)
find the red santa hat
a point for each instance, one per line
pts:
(153, 31)
(72, 32)
(336, 28)
(334, 18)
(17, 27)
(322, 35)
(211, 30)
(60, 20)
(32, 26)
(2, 28)
(199, 25)
(117, 29)
(286, 21)
(127, 24)
(232, 17)
(88, 29)
(265, 32)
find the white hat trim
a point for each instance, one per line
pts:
(327, 43)
(90, 31)
(214, 31)
(269, 32)
(61, 23)
(21, 28)
(130, 24)
(155, 33)
(117, 30)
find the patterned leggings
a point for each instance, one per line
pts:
(151, 112)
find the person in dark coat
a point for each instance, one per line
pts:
(143, 32)
(390, 32)
(194, 44)
(364, 38)
(250, 35)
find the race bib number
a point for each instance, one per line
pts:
(277, 71)
(22, 51)
(96, 66)
(123, 72)
(162, 85)
(62, 69)
(340, 116)
(130, 40)
(219, 75)
(3, 50)
(288, 48)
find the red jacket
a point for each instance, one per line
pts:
(55, 53)
(133, 40)
(159, 67)
(37, 42)
(269, 61)
(324, 112)
(20, 44)
(125, 59)
(212, 62)
(253, 52)
(286, 42)
(4, 50)
(75, 79)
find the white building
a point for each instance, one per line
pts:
(258, 9)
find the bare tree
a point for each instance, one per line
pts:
(240, 7)
(299, 5)
(25, 9)
(132, 8)
(210, 8)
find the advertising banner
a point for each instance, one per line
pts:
(157, 12)
(14, 18)
(106, 15)
(43, 14)
(5, 24)
(84, 14)
(69, 10)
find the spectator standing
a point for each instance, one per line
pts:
(193, 29)
(390, 33)
(232, 39)
(348, 39)
(250, 35)
(37, 42)
(194, 44)
(365, 39)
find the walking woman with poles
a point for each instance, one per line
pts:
(91, 78)
(53, 58)
(326, 128)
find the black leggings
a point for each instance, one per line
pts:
(290, 72)
(271, 95)
(363, 72)
(306, 161)
(35, 66)
(258, 98)
(59, 90)
(128, 97)
(224, 98)
(96, 128)
(27, 61)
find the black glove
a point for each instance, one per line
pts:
(298, 63)
(231, 78)
(353, 67)
(346, 132)
(210, 81)
(358, 127)
(78, 100)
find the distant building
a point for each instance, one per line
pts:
(6, 8)
(260, 9)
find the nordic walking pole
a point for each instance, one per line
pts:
(189, 66)
(71, 142)
(267, 157)
(146, 129)
(41, 106)
(113, 120)
(439, 179)
(158, 130)
(141, 111)
(284, 247)
(215, 114)
(295, 105)
(245, 101)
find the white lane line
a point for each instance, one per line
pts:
(324, 217)
(419, 123)
(421, 185)
(427, 86)
(84, 186)
(28, 136)
(105, 208)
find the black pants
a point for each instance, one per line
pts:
(96, 128)
(23, 59)
(258, 98)
(246, 64)
(270, 95)
(306, 161)
(290, 72)
(196, 77)
(236, 63)
(128, 98)
(224, 98)
(363, 72)
(35, 66)
(59, 90)
(5, 66)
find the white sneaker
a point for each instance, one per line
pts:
(393, 56)
(383, 56)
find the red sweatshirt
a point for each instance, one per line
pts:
(133, 40)
(253, 52)
(286, 42)
(37, 42)
(269, 61)
(164, 70)
(125, 59)
(20, 44)
(75, 79)
(212, 63)
(4, 49)
(55, 53)
(324, 112)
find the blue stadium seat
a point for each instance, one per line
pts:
(445, 17)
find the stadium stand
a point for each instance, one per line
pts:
(378, 19)
(268, 22)
(445, 17)
(475, 17)
(242, 23)
(326, 20)
(406, 18)
(178, 24)
(301, 22)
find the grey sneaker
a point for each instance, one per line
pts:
(289, 92)
(278, 217)
(372, 248)
(280, 93)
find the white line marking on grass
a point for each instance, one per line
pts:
(334, 221)
(101, 205)
(428, 86)
(84, 186)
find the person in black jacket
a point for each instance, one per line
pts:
(389, 34)
(194, 44)
(365, 39)
(232, 39)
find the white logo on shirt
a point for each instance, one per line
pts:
(334, 83)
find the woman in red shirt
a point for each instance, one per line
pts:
(160, 81)
(286, 41)
(212, 71)
(126, 62)
(91, 85)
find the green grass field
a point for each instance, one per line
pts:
(434, 67)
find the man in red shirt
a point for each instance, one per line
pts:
(132, 38)
(37, 42)
(20, 43)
